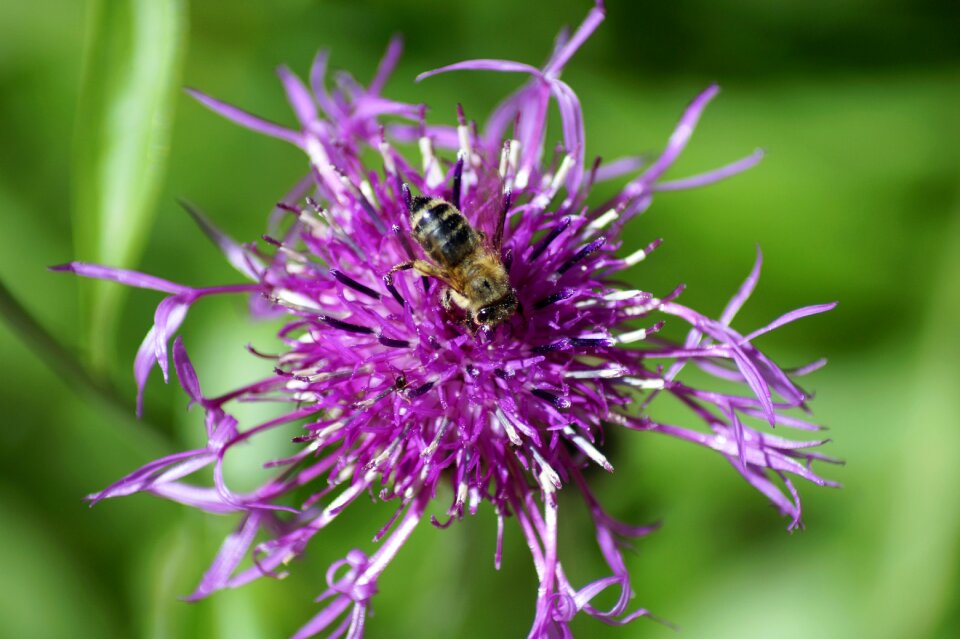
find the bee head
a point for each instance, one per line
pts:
(498, 312)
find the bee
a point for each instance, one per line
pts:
(477, 282)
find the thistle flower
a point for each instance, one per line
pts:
(397, 398)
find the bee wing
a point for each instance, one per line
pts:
(485, 213)
(485, 220)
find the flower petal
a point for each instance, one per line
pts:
(247, 120)
(716, 175)
(298, 96)
(483, 65)
(122, 276)
(239, 257)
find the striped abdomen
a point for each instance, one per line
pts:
(442, 231)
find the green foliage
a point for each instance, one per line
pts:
(131, 74)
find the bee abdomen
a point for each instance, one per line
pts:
(442, 231)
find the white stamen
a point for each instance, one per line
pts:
(474, 500)
(503, 159)
(315, 445)
(317, 154)
(367, 191)
(584, 444)
(523, 177)
(508, 427)
(322, 377)
(463, 134)
(633, 336)
(377, 461)
(643, 309)
(366, 403)
(297, 385)
(343, 499)
(431, 168)
(636, 257)
(296, 299)
(603, 220)
(596, 373)
(326, 431)
(461, 494)
(315, 226)
(552, 183)
(648, 384)
(593, 336)
(565, 165)
(293, 255)
(619, 296)
(514, 155)
(319, 158)
(548, 478)
(388, 164)
(428, 452)
(345, 474)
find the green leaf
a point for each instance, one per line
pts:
(45, 590)
(918, 547)
(133, 56)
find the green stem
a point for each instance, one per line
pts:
(58, 358)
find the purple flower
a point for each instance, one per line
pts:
(396, 396)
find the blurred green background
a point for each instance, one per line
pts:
(858, 106)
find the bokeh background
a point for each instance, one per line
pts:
(857, 103)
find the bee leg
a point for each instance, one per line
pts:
(423, 267)
(403, 266)
(457, 306)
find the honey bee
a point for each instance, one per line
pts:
(477, 282)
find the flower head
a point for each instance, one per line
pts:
(398, 396)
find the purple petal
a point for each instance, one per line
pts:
(444, 137)
(792, 316)
(177, 465)
(206, 499)
(715, 175)
(387, 65)
(756, 383)
(681, 135)
(746, 289)
(484, 65)
(569, 47)
(809, 368)
(620, 166)
(298, 96)
(503, 116)
(232, 551)
(167, 319)
(247, 120)
(239, 257)
(324, 618)
(143, 364)
(185, 371)
(370, 107)
(123, 276)
(571, 118)
(318, 70)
